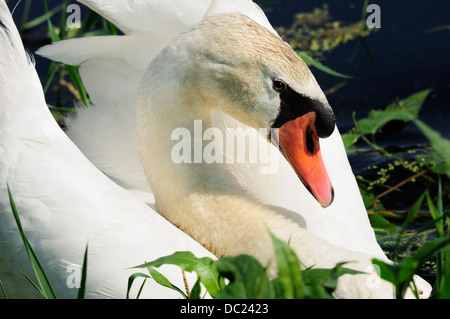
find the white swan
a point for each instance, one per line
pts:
(65, 202)
(44, 140)
(193, 77)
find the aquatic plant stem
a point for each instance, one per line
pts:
(363, 19)
(186, 285)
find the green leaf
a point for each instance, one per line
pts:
(248, 279)
(187, 261)
(350, 138)
(379, 222)
(196, 290)
(404, 110)
(311, 62)
(363, 23)
(44, 284)
(430, 248)
(131, 280)
(163, 281)
(440, 144)
(320, 283)
(76, 79)
(289, 272)
(436, 215)
(387, 271)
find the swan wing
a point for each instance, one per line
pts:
(163, 16)
(65, 202)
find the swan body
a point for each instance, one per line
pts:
(64, 202)
(112, 68)
(215, 61)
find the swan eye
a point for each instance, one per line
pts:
(279, 86)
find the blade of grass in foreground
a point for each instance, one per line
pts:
(132, 279)
(82, 290)
(45, 287)
(3, 290)
(289, 271)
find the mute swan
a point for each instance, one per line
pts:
(111, 69)
(236, 64)
(65, 202)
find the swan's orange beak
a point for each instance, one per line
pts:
(299, 142)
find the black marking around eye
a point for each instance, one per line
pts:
(294, 105)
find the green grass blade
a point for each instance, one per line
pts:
(437, 216)
(44, 283)
(36, 286)
(289, 272)
(5, 295)
(61, 109)
(26, 13)
(41, 19)
(429, 249)
(247, 278)
(187, 261)
(311, 62)
(413, 212)
(62, 22)
(108, 27)
(405, 110)
(163, 281)
(131, 280)
(54, 66)
(76, 79)
(440, 144)
(82, 290)
(51, 29)
(362, 27)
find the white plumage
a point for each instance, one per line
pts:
(64, 201)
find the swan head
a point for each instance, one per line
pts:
(230, 63)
